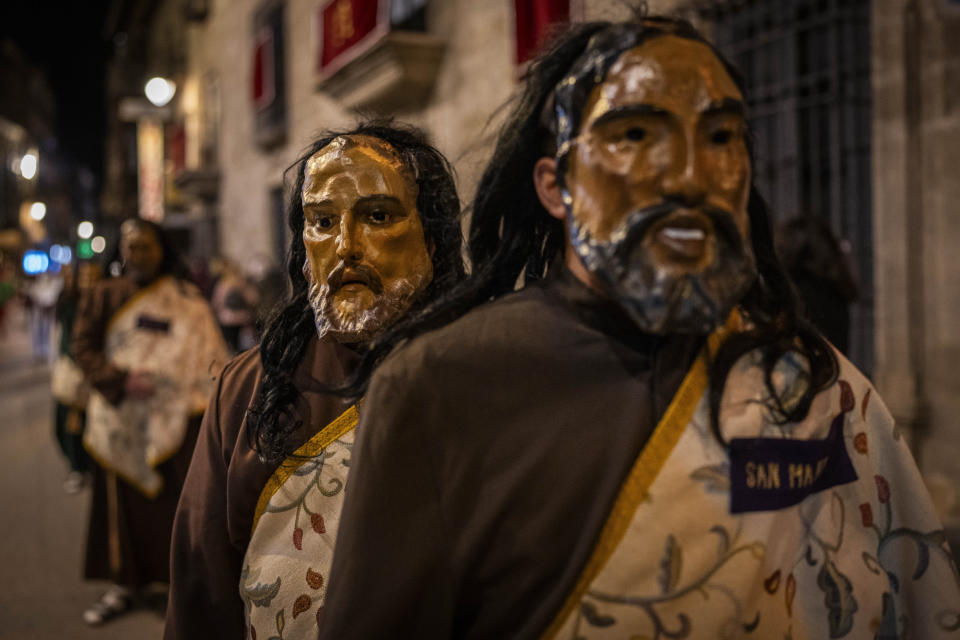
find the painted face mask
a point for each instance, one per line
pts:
(367, 260)
(657, 183)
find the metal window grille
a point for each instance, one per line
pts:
(807, 68)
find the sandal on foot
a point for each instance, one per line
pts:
(113, 603)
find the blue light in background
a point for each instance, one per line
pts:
(61, 254)
(35, 262)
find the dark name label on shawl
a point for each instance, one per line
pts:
(772, 473)
(153, 324)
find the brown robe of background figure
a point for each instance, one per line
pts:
(375, 226)
(149, 346)
(650, 441)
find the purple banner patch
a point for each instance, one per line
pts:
(772, 473)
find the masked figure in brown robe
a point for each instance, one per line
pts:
(374, 217)
(150, 347)
(649, 441)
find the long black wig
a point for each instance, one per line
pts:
(512, 236)
(292, 326)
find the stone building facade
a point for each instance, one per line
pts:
(233, 186)
(476, 75)
(916, 187)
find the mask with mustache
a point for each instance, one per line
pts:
(664, 299)
(351, 324)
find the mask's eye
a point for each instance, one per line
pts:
(721, 136)
(324, 222)
(635, 134)
(380, 216)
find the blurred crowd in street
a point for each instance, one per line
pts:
(241, 297)
(137, 338)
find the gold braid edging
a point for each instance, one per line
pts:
(333, 431)
(644, 471)
(634, 489)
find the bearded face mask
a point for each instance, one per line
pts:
(656, 184)
(367, 259)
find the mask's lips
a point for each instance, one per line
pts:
(684, 233)
(354, 277)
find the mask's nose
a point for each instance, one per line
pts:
(685, 178)
(348, 245)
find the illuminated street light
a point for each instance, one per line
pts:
(28, 166)
(85, 229)
(38, 210)
(98, 244)
(159, 91)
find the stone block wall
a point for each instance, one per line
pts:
(916, 183)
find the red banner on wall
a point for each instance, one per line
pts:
(347, 28)
(534, 18)
(176, 147)
(264, 89)
(268, 81)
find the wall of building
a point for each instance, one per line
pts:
(477, 75)
(916, 134)
(220, 51)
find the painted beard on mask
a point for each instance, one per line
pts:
(350, 323)
(666, 298)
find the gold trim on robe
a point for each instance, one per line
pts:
(287, 562)
(342, 424)
(645, 470)
(634, 489)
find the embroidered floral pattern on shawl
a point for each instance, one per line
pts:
(866, 559)
(283, 580)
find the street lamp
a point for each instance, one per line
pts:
(159, 91)
(38, 210)
(98, 244)
(28, 166)
(85, 229)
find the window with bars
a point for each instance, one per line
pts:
(807, 69)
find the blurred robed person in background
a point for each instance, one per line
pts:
(150, 347)
(69, 386)
(234, 302)
(820, 270)
(43, 292)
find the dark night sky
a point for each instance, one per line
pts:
(66, 40)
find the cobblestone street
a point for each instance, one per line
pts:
(42, 595)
